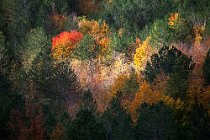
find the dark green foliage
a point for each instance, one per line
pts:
(27, 68)
(207, 29)
(88, 101)
(87, 49)
(7, 103)
(156, 122)
(50, 121)
(193, 8)
(135, 14)
(178, 82)
(5, 84)
(199, 123)
(206, 69)
(130, 88)
(4, 58)
(176, 86)
(117, 121)
(86, 125)
(152, 68)
(122, 44)
(176, 65)
(167, 60)
(162, 34)
(55, 112)
(196, 123)
(17, 19)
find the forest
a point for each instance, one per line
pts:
(104, 69)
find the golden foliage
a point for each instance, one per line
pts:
(109, 1)
(142, 54)
(172, 20)
(118, 85)
(198, 31)
(145, 95)
(120, 32)
(97, 30)
(93, 27)
(174, 104)
(104, 43)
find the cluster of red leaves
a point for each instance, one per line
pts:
(66, 38)
(63, 43)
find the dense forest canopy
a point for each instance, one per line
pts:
(105, 69)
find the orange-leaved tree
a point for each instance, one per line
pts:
(145, 95)
(64, 43)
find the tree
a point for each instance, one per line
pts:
(145, 95)
(64, 43)
(156, 122)
(122, 43)
(34, 49)
(35, 43)
(87, 7)
(8, 101)
(117, 121)
(178, 82)
(194, 122)
(199, 123)
(120, 13)
(86, 125)
(142, 54)
(166, 61)
(28, 122)
(206, 69)
(3, 55)
(87, 49)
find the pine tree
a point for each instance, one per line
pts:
(206, 69)
(86, 125)
(156, 122)
(117, 121)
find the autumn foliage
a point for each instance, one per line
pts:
(145, 95)
(64, 43)
(58, 20)
(104, 69)
(172, 20)
(29, 124)
(143, 53)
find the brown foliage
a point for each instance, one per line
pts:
(28, 125)
(58, 132)
(58, 20)
(88, 6)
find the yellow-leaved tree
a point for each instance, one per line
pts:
(142, 54)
